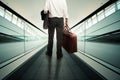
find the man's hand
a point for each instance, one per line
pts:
(66, 23)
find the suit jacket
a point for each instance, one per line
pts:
(45, 17)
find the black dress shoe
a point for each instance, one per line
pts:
(48, 54)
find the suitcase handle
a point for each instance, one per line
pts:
(67, 31)
(66, 28)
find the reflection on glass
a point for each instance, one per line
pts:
(19, 22)
(22, 25)
(81, 28)
(17, 37)
(101, 15)
(109, 10)
(89, 22)
(94, 19)
(102, 40)
(1, 11)
(14, 20)
(118, 4)
(8, 15)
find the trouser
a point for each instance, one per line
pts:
(55, 23)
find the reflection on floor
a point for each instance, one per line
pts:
(45, 68)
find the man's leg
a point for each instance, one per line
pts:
(50, 39)
(59, 31)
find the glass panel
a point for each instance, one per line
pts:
(33, 37)
(118, 4)
(14, 20)
(86, 25)
(81, 38)
(17, 39)
(28, 29)
(8, 15)
(11, 41)
(19, 22)
(77, 29)
(94, 19)
(81, 28)
(103, 39)
(1, 11)
(101, 15)
(109, 10)
(89, 23)
(22, 25)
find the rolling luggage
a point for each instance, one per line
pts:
(69, 41)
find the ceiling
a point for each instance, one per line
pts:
(77, 9)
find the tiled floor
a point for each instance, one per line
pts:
(45, 68)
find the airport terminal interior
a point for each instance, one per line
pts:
(23, 42)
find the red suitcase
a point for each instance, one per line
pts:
(69, 42)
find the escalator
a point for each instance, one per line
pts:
(42, 67)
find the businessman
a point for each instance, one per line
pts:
(58, 19)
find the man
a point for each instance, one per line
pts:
(57, 14)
